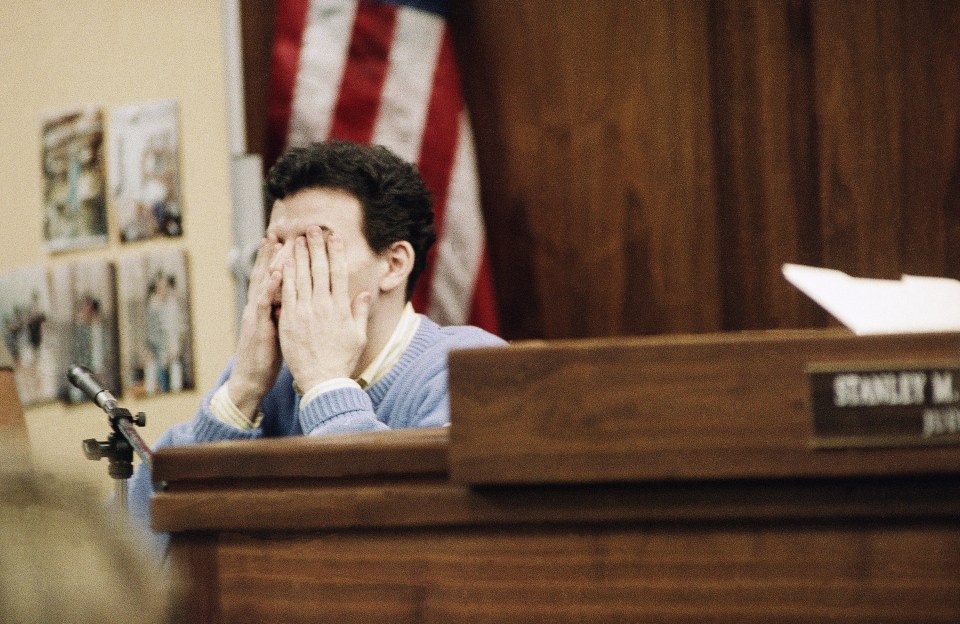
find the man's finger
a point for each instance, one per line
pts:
(262, 260)
(288, 287)
(319, 264)
(338, 269)
(261, 274)
(268, 294)
(301, 258)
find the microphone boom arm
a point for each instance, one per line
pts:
(124, 439)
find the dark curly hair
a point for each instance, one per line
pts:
(396, 203)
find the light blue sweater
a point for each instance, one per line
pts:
(412, 394)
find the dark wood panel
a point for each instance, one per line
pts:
(596, 168)
(256, 31)
(860, 95)
(767, 172)
(669, 236)
(888, 101)
(855, 572)
(930, 235)
(714, 406)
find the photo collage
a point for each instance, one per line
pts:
(108, 175)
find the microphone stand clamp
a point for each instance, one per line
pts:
(117, 449)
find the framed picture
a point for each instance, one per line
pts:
(83, 295)
(28, 333)
(156, 330)
(74, 190)
(144, 170)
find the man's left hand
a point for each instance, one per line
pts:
(322, 332)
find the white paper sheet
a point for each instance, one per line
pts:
(876, 306)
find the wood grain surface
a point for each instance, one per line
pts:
(795, 572)
(347, 541)
(715, 406)
(407, 452)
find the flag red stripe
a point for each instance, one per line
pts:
(291, 19)
(355, 114)
(438, 150)
(483, 303)
(442, 128)
(355, 117)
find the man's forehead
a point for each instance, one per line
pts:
(331, 209)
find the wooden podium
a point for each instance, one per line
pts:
(13, 428)
(673, 479)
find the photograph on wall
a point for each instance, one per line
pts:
(83, 298)
(28, 334)
(144, 170)
(74, 188)
(156, 330)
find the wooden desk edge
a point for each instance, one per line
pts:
(406, 451)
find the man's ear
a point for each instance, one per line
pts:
(399, 263)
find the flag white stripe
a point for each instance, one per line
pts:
(405, 99)
(323, 56)
(400, 125)
(462, 241)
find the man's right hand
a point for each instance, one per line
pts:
(257, 359)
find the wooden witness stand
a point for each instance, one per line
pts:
(663, 479)
(13, 428)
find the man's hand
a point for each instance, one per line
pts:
(258, 348)
(322, 332)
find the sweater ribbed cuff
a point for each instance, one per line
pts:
(334, 403)
(206, 428)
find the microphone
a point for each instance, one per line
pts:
(85, 381)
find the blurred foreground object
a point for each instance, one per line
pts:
(64, 559)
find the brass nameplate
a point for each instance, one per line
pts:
(866, 405)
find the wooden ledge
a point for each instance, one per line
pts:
(434, 502)
(403, 452)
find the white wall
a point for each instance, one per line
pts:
(55, 54)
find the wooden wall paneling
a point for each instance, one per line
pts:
(946, 27)
(668, 162)
(887, 105)
(552, 185)
(598, 178)
(483, 46)
(930, 233)
(546, 76)
(860, 99)
(765, 139)
(256, 31)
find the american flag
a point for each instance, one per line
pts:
(385, 73)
